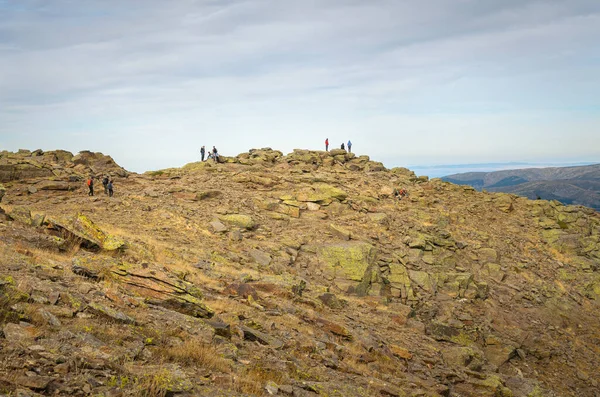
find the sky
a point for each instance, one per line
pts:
(411, 83)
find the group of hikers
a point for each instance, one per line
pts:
(348, 145)
(213, 154)
(107, 182)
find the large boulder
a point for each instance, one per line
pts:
(321, 193)
(80, 226)
(347, 260)
(239, 220)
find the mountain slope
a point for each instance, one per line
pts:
(569, 185)
(295, 275)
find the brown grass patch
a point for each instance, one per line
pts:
(197, 353)
(254, 380)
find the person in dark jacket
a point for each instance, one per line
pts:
(105, 183)
(202, 152)
(110, 188)
(342, 147)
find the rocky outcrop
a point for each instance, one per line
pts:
(55, 165)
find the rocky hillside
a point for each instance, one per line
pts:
(295, 275)
(569, 185)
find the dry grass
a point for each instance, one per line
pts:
(254, 380)
(197, 353)
(156, 385)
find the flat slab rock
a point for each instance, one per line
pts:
(19, 333)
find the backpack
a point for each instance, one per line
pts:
(89, 182)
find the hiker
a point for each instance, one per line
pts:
(326, 144)
(90, 183)
(202, 153)
(349, 146)
(342, 147)
(400, 193)
(110, 188)
(215, 154)
(105, 183)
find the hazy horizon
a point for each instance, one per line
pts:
(433, 82)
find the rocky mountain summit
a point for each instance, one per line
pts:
(290, 275)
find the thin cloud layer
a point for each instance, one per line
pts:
(409, 82)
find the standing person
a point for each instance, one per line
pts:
(342, 147)
(105, 183)
(90, 183)
(326, 144)
(202, 152)
(215, 154)
(349, 146)
(110, 188)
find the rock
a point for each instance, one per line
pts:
(209, 194)
(221, 328)
(32, 190)
(113, 314)
(378, 217)
(340, 232)
(442, 332)
(20, 214)
(82, 227)
(503, 202)
(243, 290)
(462, 356)
(400, 352)
(217, 227)
(264, 339)
(313, 206)
(49, 318)
(62, 369)
(272, 388)
(490, 386)
(93, 266)
(236, 235)
(486, 255)
(53, 297)
(321, 193)
(334, 328)
(22, 333)
(499, 354)
(260, 257)
(330, 300)
(349, 260)
(34, 382)
(338, 152)
(386, 191)
(239, 220)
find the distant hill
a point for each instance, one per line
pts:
(570, 185)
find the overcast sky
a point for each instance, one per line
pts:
(409, 82)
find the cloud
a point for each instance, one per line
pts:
(150, 81)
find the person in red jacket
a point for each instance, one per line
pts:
(90, 184)
(326, 144)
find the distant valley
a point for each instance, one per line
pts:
(570, 185)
